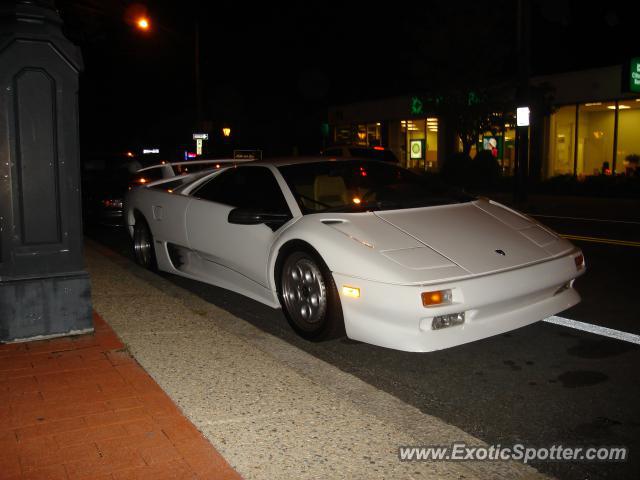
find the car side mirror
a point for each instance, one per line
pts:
(249, 216)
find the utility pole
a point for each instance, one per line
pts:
(522, 99)
(198, 84)
(44, 288)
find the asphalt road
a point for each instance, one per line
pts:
(541, 385)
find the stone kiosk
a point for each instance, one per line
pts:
(44, 289)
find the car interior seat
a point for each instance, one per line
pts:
(330, 190)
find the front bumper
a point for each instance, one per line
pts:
(393, 315)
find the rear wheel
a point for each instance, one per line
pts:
(309, 297)
(143, 248)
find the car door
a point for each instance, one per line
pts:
(242, 248)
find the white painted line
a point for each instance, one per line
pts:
(585, 219)
(596, 329)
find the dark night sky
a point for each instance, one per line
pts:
(270, 73)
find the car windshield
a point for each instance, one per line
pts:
(360, 185)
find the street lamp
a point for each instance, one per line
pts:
(143, 23)
(226, 131)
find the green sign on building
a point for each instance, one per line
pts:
(417, 107)
(634, 75)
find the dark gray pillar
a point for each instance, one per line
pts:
(44, 289)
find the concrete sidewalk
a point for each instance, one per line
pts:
(272, 410)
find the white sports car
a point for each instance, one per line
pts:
(364, 247)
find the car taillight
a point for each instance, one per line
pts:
(112, 203)
(579, 259)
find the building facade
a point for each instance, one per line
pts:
(593, 127)
(595, 124)
(412, 134)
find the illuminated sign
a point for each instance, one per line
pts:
(201, 136)
(198, 146)
(146, 151)
(634, 75)
(417, 107)
(522, 116)
(493, 145)
(417, 149)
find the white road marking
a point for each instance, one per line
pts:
(584, 219)
(596, 329)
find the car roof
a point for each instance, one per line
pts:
(194, 162)
(282, 161)
(355, 145)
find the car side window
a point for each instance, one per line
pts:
(333, 152)
(247, 187)
(146, 176)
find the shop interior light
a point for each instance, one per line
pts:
(620, 107)
(356, 200)
(592, 104)
(378, 147)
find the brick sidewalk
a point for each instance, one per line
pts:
(81, 408)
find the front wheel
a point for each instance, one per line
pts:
(310, 298)
(143, 248)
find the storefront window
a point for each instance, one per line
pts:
(561, 141)
(500, 141)
(365, 134)
(421, 143)
(596, 121)
(628, 136)
(509, 154)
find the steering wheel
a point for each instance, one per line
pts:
(314, 201)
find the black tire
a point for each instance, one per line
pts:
(309, 297)
(144, 250)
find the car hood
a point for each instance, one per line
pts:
(481, 236)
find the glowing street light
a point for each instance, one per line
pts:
(143, 23)
(226, 131)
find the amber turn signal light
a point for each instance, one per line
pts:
(353, 292)
(438, 297)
